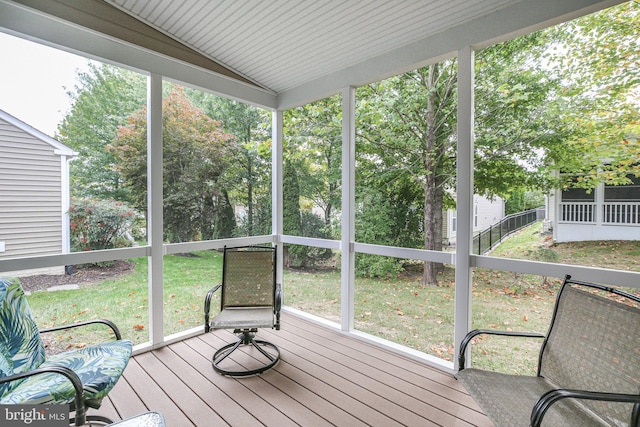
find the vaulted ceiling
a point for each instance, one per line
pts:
(279, 53)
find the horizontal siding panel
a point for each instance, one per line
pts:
(21, 146)
(38, 232)
(19, 186)
(23, 190)
(44, 236)
(29, 176)
(30, 194)
(35, 234)
(17, 146)
(28, 215)
(11, 192)
(17, 229)
(8, 131)
(43, 228)
(26, 203)
(10, 154)
(22, 168)
(50, 229)
(25, 151)
(38, 251)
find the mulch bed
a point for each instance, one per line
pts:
(81, 275)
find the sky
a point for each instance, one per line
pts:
(34, 81)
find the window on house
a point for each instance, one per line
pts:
(623, 193)
(475, 214)
(577, 195)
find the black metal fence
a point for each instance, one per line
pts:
(487, 239)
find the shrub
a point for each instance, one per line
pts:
(100, 224)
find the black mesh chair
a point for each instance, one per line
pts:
(250, 300)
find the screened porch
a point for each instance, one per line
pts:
(331, 372)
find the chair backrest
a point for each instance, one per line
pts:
(21, 348)
(248, 277)
(594, 344)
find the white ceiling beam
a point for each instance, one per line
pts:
(28, 23)
(520, 18)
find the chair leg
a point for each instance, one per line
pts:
(93, 421)
(246, 338)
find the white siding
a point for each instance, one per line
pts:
(486, 212)
(30, 194)
(489, 212)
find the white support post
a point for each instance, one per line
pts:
(155, 208)
(348, 207)
(277, 147)
(464, 195)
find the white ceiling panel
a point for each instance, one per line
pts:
(280, 53)
(282, 44)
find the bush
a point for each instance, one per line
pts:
(100, 224)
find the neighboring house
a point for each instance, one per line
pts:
(486, 212)
(606, 213)
(34, 193)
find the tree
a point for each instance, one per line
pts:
(196, 153)
(247, 179)
(408, 133)
(224, 223)
(102, 100)
(598, 57)
(292, 220)
(314, 141)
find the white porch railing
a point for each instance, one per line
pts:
(621, 213)
(583, 212)
(617, 213)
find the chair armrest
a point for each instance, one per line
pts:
(207, 306)
(80, 409)
(109, 323)
(550, 397)
(467, 340)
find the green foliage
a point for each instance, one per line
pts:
(521, 200)
(102, 100)
(224, 223)
(374, 266)
(598, 58)
(292, 222)
(100, 224)
(295, 255)
(518, 120)
(247, 177)
(196, 153)
(313, 141)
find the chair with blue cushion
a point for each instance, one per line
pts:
(80, 377)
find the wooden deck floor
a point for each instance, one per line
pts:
(324, 378)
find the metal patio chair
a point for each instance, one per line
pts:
(588, 365)
(80, 377)
(250, 299)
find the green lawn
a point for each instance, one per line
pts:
(399, 309)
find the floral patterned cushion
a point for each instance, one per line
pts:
(21, 349)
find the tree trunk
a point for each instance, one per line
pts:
(431, 205)
(249, 195)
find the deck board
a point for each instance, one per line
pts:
(324, 378)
